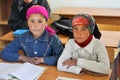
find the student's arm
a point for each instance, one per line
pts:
(67, 54)
(101, 64)
(56, 50)
(10, 52)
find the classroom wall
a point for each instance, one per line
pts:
(54, 4)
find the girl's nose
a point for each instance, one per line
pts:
(36, 25)
(79, 32)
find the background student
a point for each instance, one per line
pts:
(17, 18)
(84, 51)
(40, 44)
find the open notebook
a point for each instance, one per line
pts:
(17, 71)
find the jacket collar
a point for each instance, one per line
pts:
(88, 48)
(43, 37)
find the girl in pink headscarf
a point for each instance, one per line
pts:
(40, 44)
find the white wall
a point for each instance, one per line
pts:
(54, 4)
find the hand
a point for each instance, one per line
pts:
(33, 60)
(38, 60)
(25, 59)
(70, 62)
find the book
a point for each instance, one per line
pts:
(19, 31)
(17, 71)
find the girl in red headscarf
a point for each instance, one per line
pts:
(84, 51)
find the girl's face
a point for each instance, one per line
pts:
(36, 24)
(80, 33)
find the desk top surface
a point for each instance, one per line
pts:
(109, 38)
(106, 12)
(51, 73)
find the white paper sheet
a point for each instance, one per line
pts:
(65, 78)
(6, 68)
(26, 71)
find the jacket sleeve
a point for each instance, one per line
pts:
(55, 51)
(10, 52)
(67, 54)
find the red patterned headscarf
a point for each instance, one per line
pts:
(81, 21)
(84, 20)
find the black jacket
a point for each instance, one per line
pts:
(17, 19)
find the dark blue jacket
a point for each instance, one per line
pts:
(47, 46)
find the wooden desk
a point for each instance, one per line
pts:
(101, 15)
(110, 38)
(51, 73)
(7, 37)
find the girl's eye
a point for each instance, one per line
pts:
(74, 28)
(40, 21)
(84, 28)
(32, 21)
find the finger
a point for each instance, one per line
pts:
(31, 62)
(35, 58)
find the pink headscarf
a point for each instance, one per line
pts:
(41, 10)
(37, 9)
